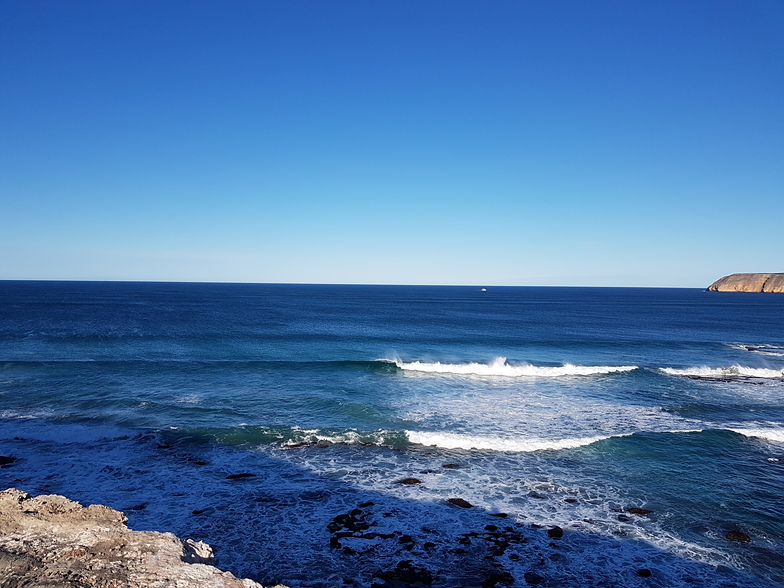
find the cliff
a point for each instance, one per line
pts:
(50, 541)
(749, 283)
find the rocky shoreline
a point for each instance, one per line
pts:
(749, 283)
(50, 541)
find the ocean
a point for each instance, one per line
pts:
(332, 435)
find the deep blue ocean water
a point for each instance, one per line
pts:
(555, 406)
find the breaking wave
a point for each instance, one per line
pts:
(774, 350)
(735, 371)
(769, 434)
(456, 441)
(499, 367)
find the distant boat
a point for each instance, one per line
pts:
(483, 290)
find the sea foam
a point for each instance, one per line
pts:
(735, 371)
(456, 441)
(499, 367)
(769, 434)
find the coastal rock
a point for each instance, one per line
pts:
(555, 533)
(49, 540)
(749, 283)
(738, 536)
(462, 503)
(638, 511)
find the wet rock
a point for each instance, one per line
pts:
(533, 578)
(352, 522)
(451, 466)
(491, 528)
(367, 504)
(738, 536)
(409, 481)
(570, 500)
(555, 533)
(460, 502)
(644, 573)
(6, 459)
(242, 476)
(638, 511)
(500, 515)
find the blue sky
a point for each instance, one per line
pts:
(607, 143)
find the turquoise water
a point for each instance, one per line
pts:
(556, 406)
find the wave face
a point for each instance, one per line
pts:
(735, 371)
(499, 367)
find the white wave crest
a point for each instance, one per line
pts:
(773, 350)
(735, 371)
(456, 441)
(769, 434)
(348, 437)
(499, 367)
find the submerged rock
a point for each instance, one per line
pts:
(49, 540)
(738, 536)
(533, 578)
(242, 476)
(638, 511)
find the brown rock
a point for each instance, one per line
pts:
(749, 283)
(53, 541)
(409, 481)
(638, 511)
(738, 536)
(460, 502)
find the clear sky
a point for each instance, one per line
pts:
(608, 143)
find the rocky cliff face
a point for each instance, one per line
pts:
(749, 283)
(50, 541)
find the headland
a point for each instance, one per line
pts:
(749, 283)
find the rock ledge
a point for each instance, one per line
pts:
(749, 283)
(50, 541)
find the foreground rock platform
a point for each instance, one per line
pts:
(50, 541)
(749, 283)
